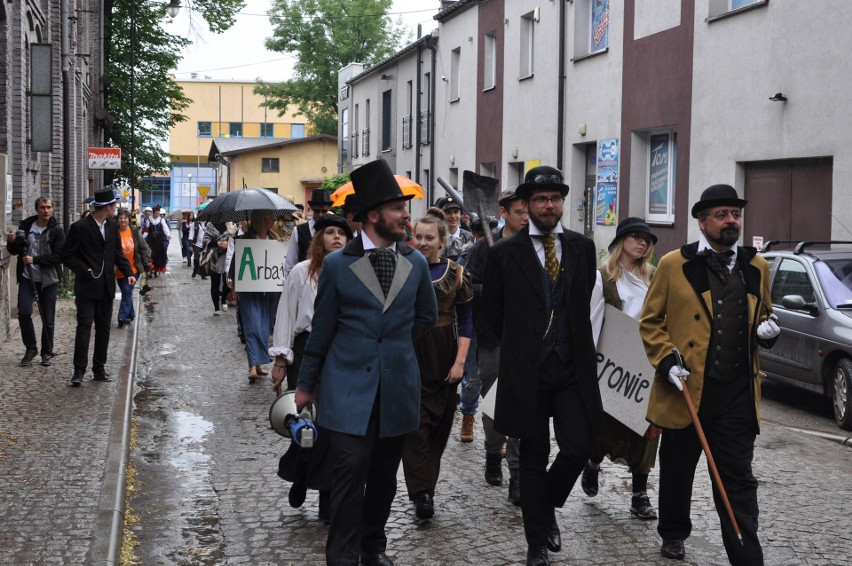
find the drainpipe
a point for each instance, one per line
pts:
(66, 115)
(416, 118)
(560, 111)
(430, 191)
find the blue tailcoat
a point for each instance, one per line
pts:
(361, 341)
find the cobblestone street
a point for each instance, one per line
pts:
(207, 463)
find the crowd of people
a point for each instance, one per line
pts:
(391, 325)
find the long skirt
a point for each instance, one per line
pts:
(159, 257)
(421, 460)
(257, 315)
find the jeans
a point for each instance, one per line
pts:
(47, 308)
(186, 249)
(470, 385)
(125, 308)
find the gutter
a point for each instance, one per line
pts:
(560, 110)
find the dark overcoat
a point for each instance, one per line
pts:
(86, 249)
(513, 297)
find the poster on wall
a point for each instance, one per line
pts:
(659, 174)
(600, 26)
(606, 192)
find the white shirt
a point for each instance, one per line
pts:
(369, 245)
(631, 290)
(155, 221)
(192, 235)
(293, 247)
(100, 226)
(538, 244)
(703, 244)
(295, 311)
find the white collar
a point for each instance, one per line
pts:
(534, 231)
(369, 245)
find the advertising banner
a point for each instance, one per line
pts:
(606, 193)
(104, 158)
(659, 175)
(259, 265)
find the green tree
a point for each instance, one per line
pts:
(326, 35)
(158, 100)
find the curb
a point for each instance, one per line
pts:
(108, 530)
(842, 440)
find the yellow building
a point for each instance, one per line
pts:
(220, 110)
(288, 167)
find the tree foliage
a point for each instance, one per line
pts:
(326, 35)
(156, 99)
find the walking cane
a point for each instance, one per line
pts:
(703, 439)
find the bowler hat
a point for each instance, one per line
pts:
(333, 220)
(375, 185)
(717, 195)
(629, 225)
(542, 177)
(351, 204)
(507, 196)
(104, 197)
(320, 197)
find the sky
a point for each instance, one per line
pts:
(239, 53)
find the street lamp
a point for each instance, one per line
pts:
(172, 9)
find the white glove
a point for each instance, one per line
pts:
(769, 328)
(676, 374)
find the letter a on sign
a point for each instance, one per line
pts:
(247, 262)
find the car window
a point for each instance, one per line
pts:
(771, 261)
(836, 278)
(792, 279)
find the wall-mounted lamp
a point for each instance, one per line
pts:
(582, 129)
(452, 160)
(384, 77)
(778, 97)
(172, 8)
(537, 14)
(514, 153)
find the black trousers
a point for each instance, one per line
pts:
(728, 419)
(543, 488)
(91, 311)
(219, 289)
(364, 469)
(47, 308)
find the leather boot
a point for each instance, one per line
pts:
(494, 469)
(467, 428)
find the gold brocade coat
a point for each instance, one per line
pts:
(678, 314)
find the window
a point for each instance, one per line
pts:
(591, 28)
(266, 130)
(660, 177)
(354, 134)
(424, 118)
(720, 8)
(344, 130)
(791, 279)
(455, 61)
(297, 131)
(527, 45)
(235, 129)
(387, 123)
(205, 129)
(406, 120)
(269, 165)
(489, 65)
(365, 133)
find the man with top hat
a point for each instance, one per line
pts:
(709, 302)
(92, 251)
(373, 298)
(300, 241)
(350, 210)
(536, 290)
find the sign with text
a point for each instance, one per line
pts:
(104, 158)
(259, 265)
(624, 374)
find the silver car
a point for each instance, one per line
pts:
(812, 296)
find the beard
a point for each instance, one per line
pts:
(545, 221)
(728, 236)
(386, 230)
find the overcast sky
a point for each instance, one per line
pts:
(239, 53)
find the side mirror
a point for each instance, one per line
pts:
(797, 303)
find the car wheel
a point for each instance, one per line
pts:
(842, 399)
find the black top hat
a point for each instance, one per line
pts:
(375, 185)
(542, 177)
(351, 204)
(718, 195)
(104, 197)
(629, 225)
(320, 197)
(333, 220)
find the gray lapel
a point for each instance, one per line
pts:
(400, 276)
(365, 273)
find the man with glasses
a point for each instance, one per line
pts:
(709, 302)
(297, 248)
(537, 286)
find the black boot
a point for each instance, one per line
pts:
(494, 469)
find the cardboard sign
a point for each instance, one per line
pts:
(104, 158)
(624, 374)
(259, 265)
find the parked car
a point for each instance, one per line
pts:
(812, 297)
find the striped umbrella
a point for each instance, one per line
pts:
(238, 205)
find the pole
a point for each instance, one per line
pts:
(133, 182)
(717, 479)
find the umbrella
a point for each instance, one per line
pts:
(238, 205)
(177, 213)
(408, 187)
(203, 205)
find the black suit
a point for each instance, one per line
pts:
(538, 381)
(93, 259)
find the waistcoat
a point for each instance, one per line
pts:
(727, 356)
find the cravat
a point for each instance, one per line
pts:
(551, 264)
(384, 264)
(719, 262)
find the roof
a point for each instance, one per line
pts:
(228, 147)
(392, 58)
(454, 9)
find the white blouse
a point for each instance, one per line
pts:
(295, 311)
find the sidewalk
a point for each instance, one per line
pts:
(63, 451)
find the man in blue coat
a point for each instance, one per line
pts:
(373, 298)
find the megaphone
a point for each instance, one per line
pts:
(289, 423)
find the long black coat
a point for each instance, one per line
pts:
(513, 297)
(85, 249)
